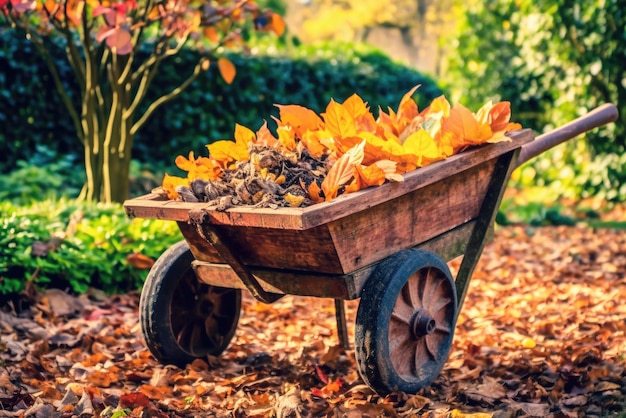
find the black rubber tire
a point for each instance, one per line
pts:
(181, 318)
(405, 322)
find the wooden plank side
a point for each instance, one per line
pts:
(154, 206)
(368, 236)
(280, 281)
(310, 250)
(354, 202)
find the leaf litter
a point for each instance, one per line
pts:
(542, 333)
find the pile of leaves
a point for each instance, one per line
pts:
(541, 333)
(314, 158)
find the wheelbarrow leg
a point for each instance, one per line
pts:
(342, 328)
(499, 179)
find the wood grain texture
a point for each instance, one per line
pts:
(369, 236)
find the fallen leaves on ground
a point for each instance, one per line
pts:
(542, 333)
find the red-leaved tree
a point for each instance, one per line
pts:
(102, 40)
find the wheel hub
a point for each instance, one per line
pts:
(422, 324)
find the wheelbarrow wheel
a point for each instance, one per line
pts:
(405, 322)
(181, 318)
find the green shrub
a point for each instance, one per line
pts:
(45, 175)
(91, 245)
(553, 60)
(31, 113)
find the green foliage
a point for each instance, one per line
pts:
(209, 109)
(92, 243)
(554, 61)
(45, 175)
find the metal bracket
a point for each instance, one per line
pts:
(208, 231)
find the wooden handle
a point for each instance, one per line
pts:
(599, 116)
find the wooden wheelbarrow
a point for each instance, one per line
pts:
(386, 245)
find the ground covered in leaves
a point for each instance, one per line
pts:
(542, 333)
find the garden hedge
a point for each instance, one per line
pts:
(32, 114)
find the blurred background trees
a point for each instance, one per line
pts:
(553, 60)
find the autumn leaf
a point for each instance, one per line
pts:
(423, 147)
(314, 192)
(342, 171)
(407, 109)
(140, 261)
(287, 137)
(226, 151)
(300, 118)
(227, 69)
(371, 175)
(264, 136)
(468, 129)
(170, 183)
(339, 121)
(277, 24)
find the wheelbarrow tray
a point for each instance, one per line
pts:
(435, 206)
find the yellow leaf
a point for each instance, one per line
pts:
(455, 413)
(528, 343)
(227, 151)
(227, 69)
(170, 183)
(342, 171)
(293, 200)
(422, 145)
(338, 121)
(243, 135)
(286, 136)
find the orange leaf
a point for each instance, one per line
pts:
(361, 112)
(139, 261)
(278, 24)
(265, 137)
(170, 183)
(342, 171)
(370, 176)
(407, 109)
(499, 116)
(227, 69)
(472, 131)
(299, 117)
(226, 151)
(211, 34)
(339, 121)
(312, 140)
(314, 192)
